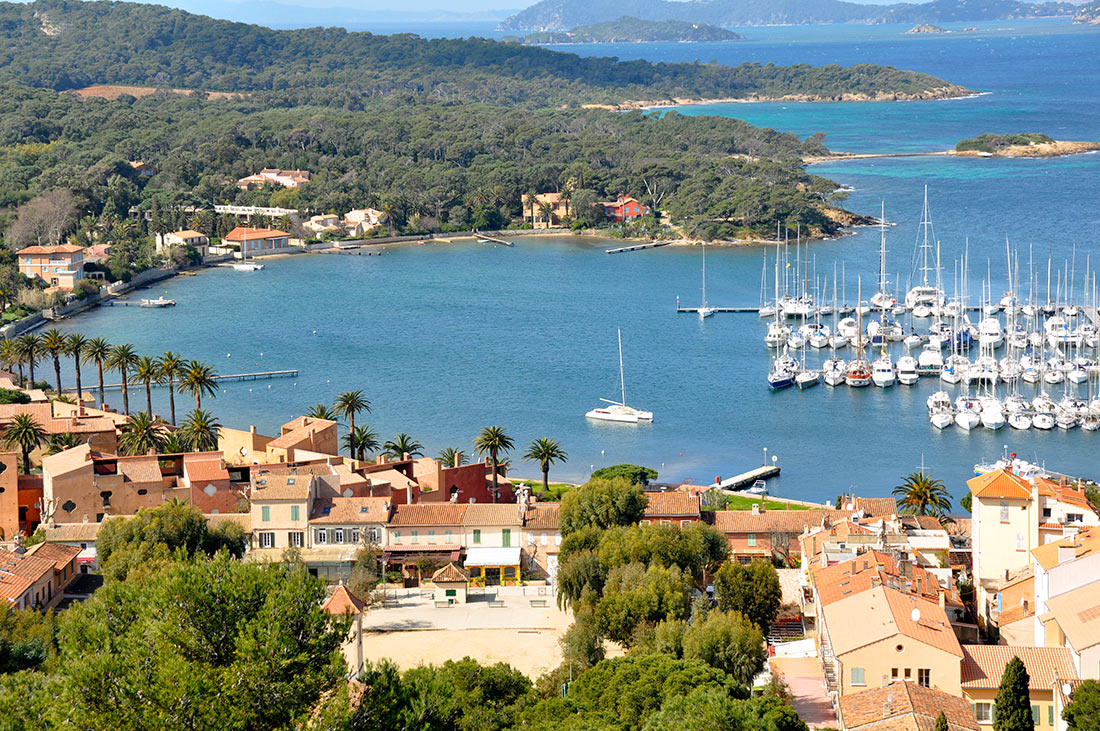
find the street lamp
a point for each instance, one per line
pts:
(765, 456)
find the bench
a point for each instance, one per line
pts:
(538, 602)
(442, 603)
(496, 603)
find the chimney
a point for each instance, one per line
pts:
(252, 429)
(755, 509)
(458, 459)
(80, 408)
(943, 598)
(405, 457)
(763, 506)
(1067, 553)
(381, 459)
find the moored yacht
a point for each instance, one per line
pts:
(618, 411)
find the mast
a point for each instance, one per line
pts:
(622, 379)
(882, 252)
(704, 274)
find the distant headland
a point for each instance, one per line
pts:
(632, 30)
(1026, 144)
(926, 28)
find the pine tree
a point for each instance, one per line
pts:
(941, 722)
(1012, 707)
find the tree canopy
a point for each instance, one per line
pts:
(602, 503)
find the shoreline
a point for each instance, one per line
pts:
(1047, 150)
(937, 94)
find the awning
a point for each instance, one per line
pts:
(493, 556)
(400, 554)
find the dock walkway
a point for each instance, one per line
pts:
(258, 376)
(636, 247)
(492, 239)
(747, 478)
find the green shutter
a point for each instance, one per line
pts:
(477, 536)
(294, 512)
(1050, 715)
(1035, 715)
(506, 537)
(451, 592)
(265, 514)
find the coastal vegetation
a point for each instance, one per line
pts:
(993, 143)
(921, 494)
(634, 30)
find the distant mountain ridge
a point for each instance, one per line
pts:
(554, 15)
(628, 29)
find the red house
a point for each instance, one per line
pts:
(625, 208)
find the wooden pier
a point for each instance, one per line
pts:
(492, 239)
(747, 478)
(636, 247)
(258, 376)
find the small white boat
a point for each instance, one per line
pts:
(1091, 422)
(913, 341)
(1043, 420)
(907, 370)
(158, 302)
(807, 379)
(618, 411)
(834, 371)
(1019, 420)
(836, 340)
(993, 415)
(758, 488)
(967, 419)
(883, 373)
(247, 266)
(858, 373)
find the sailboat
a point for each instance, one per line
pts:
(706, 310)
(858, 374)
(244, 265)
(618, 411)
(925, 297)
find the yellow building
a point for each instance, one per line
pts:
(902, 706)
(59, 266)
(1047, 667)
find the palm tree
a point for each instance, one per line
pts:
(27, 434)
(61, 442)
(546, 452)
(170, 366)
(30, 346)
(199, 431)
(403, 444)
(451, 457)
(98, 351)
(173, 443)
(920, 494)
(547, 211)
(361, 440)
(350, 403)
(147, 370)
(492, 441)
(141, 434)
(322, 411)
(122, 359)
(75, 346)
(54, 343)
(199, 379)
(11, 355)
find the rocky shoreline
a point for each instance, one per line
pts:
(951, 91)
(1055, 148)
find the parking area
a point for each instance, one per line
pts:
(806, 681)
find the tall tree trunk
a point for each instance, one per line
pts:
(99, 365)
(79, 389)
(125, 394)
(351, 444)
(172, 399)
(26, 461)
(31, 366)
(198, 400)
(148, 398)
(22, 381)
(57, 373)
(493, 454)
(546, 478)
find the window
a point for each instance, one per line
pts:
(354, 535)
(542, 539)
(415, 536)
(666, 522)
(557, 539)
(450, 592)
(752, 539)
(857, 676)
(983, 712)
(1004, 512)
(320, 536)
(294, 513)
(267, 540)
(1021, 542)
(265, 514)
(431, 536)
(374, 536)
(1046, 512)
(506, 537)
(685, 523)
(1035, 715)
(893, 673)
(339, 537)
(530, 539)
(1050, 715)
(908, 673)
(477, 536)
(397, 536)
(447, 536)
(1075, 517)
(924, 677)
(294, 538)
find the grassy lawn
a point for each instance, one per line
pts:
(557, 489)
(745, 502)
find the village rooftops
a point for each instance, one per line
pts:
(281, 487)
(343, 601)
(1078, 615)
(202, 469)
(1085, 543)
(188, 233)
(774, 521)
(876, 568)
(456, 514)
(450, 573)
(59, 554)
(71, 532)
(255, 234)
(18, 572)
(984, 665)
(880, 613)
(58, 418)
(1000, 484)
(542, 516)
(1063, 493)
(671, 505)
(295, 431)
(348, 510)
(902, 706)
(59, 249)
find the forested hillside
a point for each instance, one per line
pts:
(67, 44)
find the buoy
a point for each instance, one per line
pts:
(269, 385)
(681, 454)
(601, 452)
(314, 332)
(227, 355)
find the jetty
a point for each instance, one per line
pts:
(747, 478)
(492, 239)
(257, 376)
(636, 247)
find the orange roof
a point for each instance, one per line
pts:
(140, 469)
(875, 568)
(1084, 543)
(1000, 484)
(491, 514)
(983, 665)
(253, 234)
(350, 510)
(429, 514)
(188, 233)
(281, 487)
(205, 469)
(671, 504)
(1078, 615)
(59, 249)
(542, 516)
(343, 601)
(56, 552)
(883, 708)
(450, 573)
(1062, 493)
(18, 572)
(773, 521)
(881, 613)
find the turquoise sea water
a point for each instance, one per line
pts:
(449, 338)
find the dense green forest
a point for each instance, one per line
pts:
(991, 143)
(633, 30)
(67, 44)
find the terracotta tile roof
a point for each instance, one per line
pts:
(491, 514)
(877, 507)
(672, 505)
(1078, 615)
(281, 487)
(921, 522)
(244, 520)
(188, 233)
(880, 613)
(983, 665)
(876, 707)
(60, 249)
(300, 433)
(773, 521)
(1062, 493)
(1015, 614)
(204, 469)
(61, 555)
(1000, 484)
(18, 572)
(350, 510)
(1086, 543)
(72, 532)
(875, 568)
(343, 601)
(542, 516)
(450, 572)
(55, 420)
(139, 469)
(253, 234)
(429, 514)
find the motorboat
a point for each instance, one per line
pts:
(930, 361)
(883, 372)
(847, 327)
(913, 341)
(1091, 421)
(1019, 420)
(247, 266)
(618, 411)
(993, 415)
(834, 371)
(1065, 420)
(1043, 420)
(777, 334)
(907, 370)
(990, 333)
(158, 302)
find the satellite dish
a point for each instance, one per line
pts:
(916, 614)
(1067, 689)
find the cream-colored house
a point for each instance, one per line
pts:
(542, 539)
(186, 237)
(280, 509)
(451, 584)
(1047, 668)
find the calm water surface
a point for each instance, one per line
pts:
(449, 338)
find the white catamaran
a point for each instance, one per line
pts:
(618, 411)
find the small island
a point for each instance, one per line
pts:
(633, 30)
(1021, 144)
(926, 28)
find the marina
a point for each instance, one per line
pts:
(225, 378)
